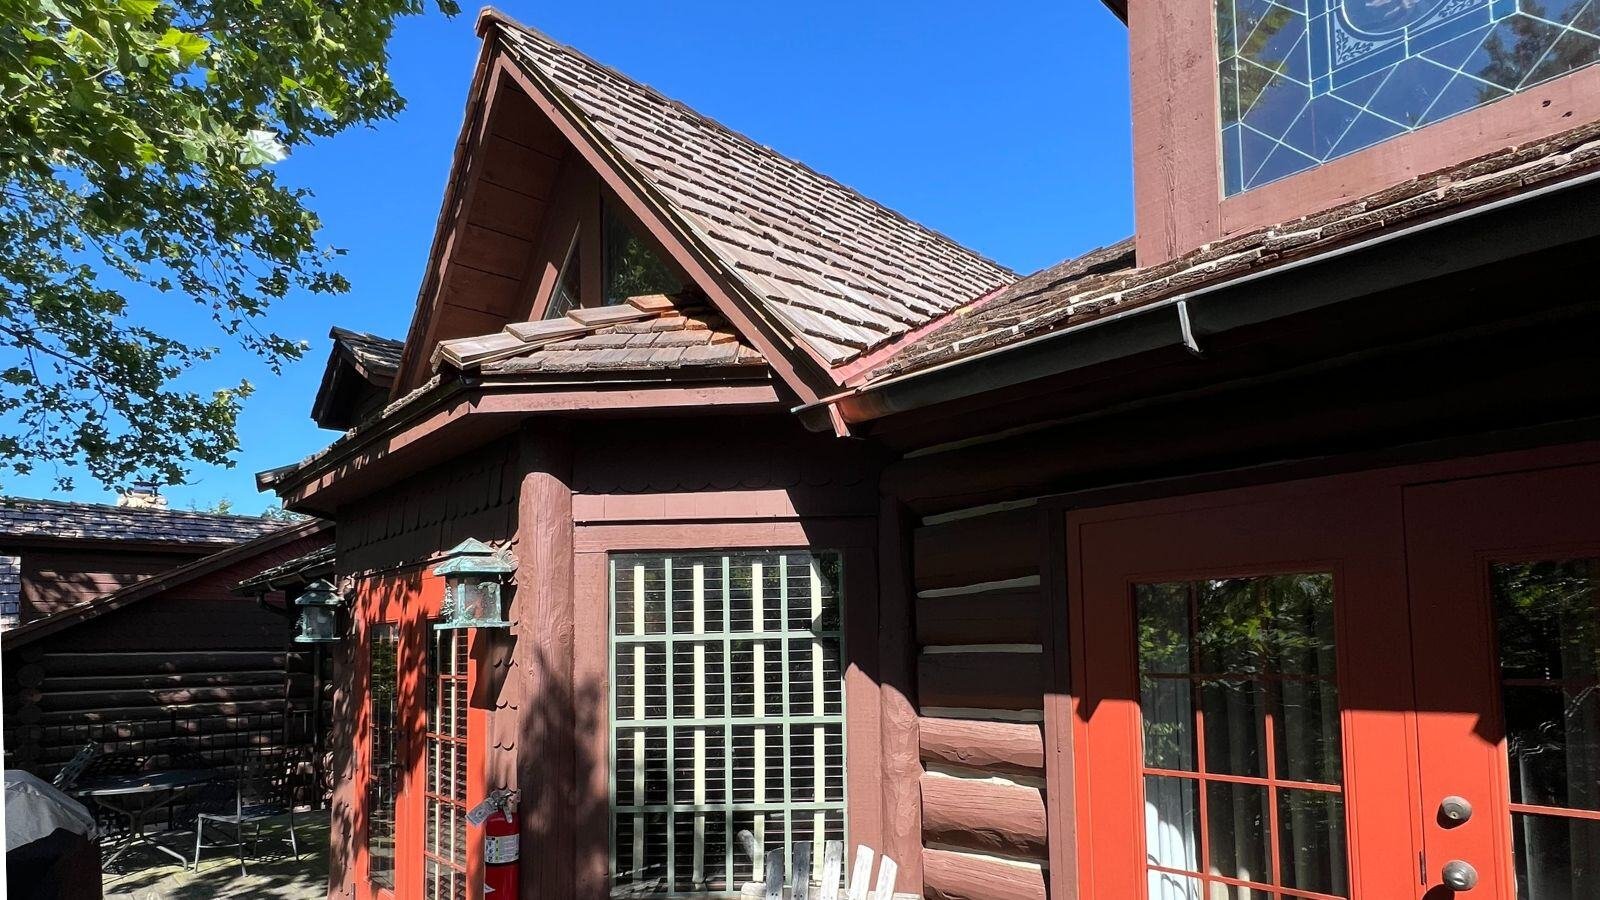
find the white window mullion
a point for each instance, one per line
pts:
(699, 626)
(819, 741)
(640, 736)
(758, 774)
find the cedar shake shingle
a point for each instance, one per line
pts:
(842, 273)
(95, 521)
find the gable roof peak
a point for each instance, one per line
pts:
(841, 272)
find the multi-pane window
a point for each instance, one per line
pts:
(727, 707)
(383, 722)
(1242, 754)
(445, 816)
(1547, 615)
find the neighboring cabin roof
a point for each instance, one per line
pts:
(841, 272)
(62, 520)
(156, 584)
(652, 334)
(1105, 281)
(378, 355)
(359, 365)
(316, 564)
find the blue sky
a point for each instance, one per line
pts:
(1005, 126)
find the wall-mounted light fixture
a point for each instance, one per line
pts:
(472, 574)
(319, 614)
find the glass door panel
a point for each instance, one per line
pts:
(384, 764)
(1238, 661)
(1242, 754)
(1547, 621)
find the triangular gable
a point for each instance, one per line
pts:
(810, 273)
(357, 379)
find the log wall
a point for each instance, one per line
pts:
(193, 664)
(981, 627)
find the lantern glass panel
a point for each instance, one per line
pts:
(317, 623)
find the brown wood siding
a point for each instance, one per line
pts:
(981, 627)
(474, 495)
(53, 579)
(194, 664)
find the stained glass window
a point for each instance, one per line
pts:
(1306, 81)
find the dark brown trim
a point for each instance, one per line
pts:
(1060, 782)
(897, 680)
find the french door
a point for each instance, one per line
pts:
(419, 732)
(1369, 686)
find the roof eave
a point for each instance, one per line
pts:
(1501, 229)
(463, 410)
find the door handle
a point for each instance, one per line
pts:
(1459, 875)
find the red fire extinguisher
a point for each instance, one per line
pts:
(502, 873)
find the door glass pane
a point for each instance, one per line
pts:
(1237, 688)
(383, 780)
(1547, 620)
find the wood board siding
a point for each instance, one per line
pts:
(982, 627)
(55, 578)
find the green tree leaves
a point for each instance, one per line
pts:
(137, 139)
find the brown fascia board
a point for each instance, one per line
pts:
(812, 376)
(155, 584)
(479, 410)
(472, 117)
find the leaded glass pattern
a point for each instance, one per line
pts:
(727, 714)
(1306, 81)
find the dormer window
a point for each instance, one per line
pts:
(1306, 81)
(632, 268)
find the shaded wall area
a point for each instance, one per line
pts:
(192, 668)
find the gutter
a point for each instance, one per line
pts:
(1546, 216)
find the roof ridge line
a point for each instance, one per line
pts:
(490, 16)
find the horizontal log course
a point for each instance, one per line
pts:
(1009, 616)
(947, 875)
(75, 734)
(176, 710)
(163, 697)
(1001, 748)
(993, 547)
(161, 662)
(174, 680)
(981, 680)
(984, 816)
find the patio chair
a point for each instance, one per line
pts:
(73, 770)
(242, 803)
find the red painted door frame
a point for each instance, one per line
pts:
(1456, 515)
(410, 600)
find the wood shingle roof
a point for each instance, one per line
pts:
(58, 520)
(841, 272)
